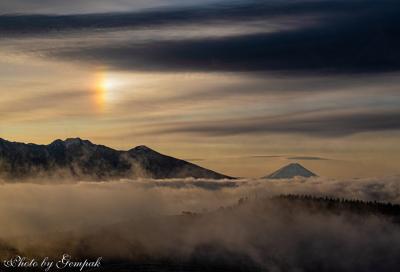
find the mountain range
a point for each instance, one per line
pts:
(79, 159)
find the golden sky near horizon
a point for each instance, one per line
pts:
(190, 90)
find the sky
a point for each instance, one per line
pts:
(240, 87)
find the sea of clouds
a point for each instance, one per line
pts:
(128, 218)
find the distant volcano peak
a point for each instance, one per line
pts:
(290, 171)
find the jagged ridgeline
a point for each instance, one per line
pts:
(80, 159)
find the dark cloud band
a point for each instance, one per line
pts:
(365, 42)
(193, 14)
(346, 37)
(318, 124)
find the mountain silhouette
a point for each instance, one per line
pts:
(290, 171)
(80, 159)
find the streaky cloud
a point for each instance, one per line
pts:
(219, 12)
(364, 40)
(308, 158)
(321, 124)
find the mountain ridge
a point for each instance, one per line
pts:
(79, 159)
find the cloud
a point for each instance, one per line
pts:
(221, 12)
(316, 123)
(43, 100)
(357, 37)
(189, 183)
(37, 107)
(265, 156)
(77, 6)
(308, 158)
(338, 37)
(126, 221)
(200, 14)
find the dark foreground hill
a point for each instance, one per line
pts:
(80, 159)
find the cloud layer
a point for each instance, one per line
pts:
(347, 38)
(314, 123)
(135, 218)
(339, 37)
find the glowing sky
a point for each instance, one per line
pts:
(241, 87)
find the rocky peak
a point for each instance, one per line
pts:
(77, 142)
(142, 149)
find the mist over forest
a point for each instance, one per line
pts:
(241, 225)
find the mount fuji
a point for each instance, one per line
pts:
(290, 171)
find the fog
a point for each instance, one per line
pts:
(130, 219)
